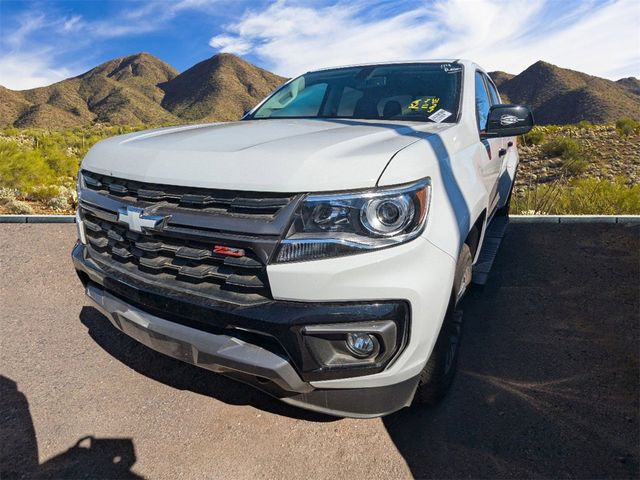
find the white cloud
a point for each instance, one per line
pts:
(149, 17)
(294, 39)
(604, 42)
(27, 24)
(72, 24)
(499, 34)
(23, 71)
(24, 65)
(600, 37)
(226, 43)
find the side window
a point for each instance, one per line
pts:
(495, 98)
(482, 102)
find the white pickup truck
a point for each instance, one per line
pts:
(316, 249)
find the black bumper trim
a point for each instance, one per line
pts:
(358, 402)
(275, 325)
(249, 363)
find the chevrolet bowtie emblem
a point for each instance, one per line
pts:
(137, 220)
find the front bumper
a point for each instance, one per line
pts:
(233, 342)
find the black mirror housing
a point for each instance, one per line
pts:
(508, 121)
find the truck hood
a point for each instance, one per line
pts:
(277, 155)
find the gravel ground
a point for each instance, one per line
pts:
(547, 387)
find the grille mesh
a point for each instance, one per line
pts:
(186, 264)
(253, 204)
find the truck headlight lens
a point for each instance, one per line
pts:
(329, 225)
(387, 216)
(79, 185)
(79, 224)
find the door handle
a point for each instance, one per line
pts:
(502, 152)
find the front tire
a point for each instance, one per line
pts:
(437, 375)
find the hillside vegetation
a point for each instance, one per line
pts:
(561, 96)
(38, 168)
(141, 89)
(564, 169)
(122, 91)
(221, 88)
(579, 169)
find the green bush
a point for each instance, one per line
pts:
(36, 163)
(534, 137)
(584, 124)
(575, 166)
(627, 126)
(585, 196)
(23, 170)
(563, 147)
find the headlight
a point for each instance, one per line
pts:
(341, 224)
(80, 184)
(79, 223)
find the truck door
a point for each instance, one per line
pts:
(506, 142)
(495, 147)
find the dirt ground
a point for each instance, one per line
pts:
(548, 384)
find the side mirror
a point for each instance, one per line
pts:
(508, 121)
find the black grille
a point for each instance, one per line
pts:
(176, 262)
(215, 201)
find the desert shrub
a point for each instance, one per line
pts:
(6, 193)
(42, 193)
(23, 169)
(627, 126)
(566, 148)
(584, 124)
(534, 137)
(41, 165)
(580, 197)
(59, 203)
(15, 207)
(575, 166)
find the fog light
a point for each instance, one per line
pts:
(362, 345)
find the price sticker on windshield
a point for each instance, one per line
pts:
(439, 116)
(427, 103)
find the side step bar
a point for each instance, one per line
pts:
(490, 246)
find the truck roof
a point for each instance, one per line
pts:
(395, 62)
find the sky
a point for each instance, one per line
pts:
(44, 41)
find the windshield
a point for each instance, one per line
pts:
(427, 92)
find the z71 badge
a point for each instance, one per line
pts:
(228, 251)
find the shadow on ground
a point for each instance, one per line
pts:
(548, 375)
(87, 458)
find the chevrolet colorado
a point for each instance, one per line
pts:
(316, 249)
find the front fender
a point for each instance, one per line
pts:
(458, 197)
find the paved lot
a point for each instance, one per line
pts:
(548, 382)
